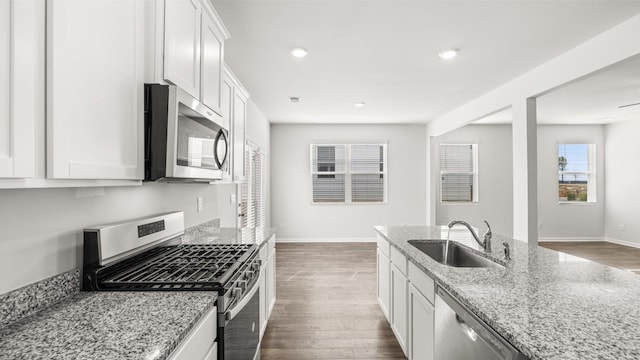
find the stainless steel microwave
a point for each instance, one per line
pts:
(184, 139)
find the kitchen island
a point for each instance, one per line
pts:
(549, 305)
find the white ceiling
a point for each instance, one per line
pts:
(385, 52)
(596, 99)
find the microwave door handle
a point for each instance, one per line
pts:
(231, 313)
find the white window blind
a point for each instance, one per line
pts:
(458, 173)
(252, 203)
(367, 173)
(348, 173)
(576, 173)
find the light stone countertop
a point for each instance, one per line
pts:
(548, 304)
(107, 325)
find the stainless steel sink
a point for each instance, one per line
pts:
(458, 256)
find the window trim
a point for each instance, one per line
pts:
(347, 171)
(592, 180)
(476, 175)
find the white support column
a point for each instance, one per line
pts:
(525, 171)
(431, 190)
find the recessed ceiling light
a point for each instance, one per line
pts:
(359, 104)
(448, 54)
(299, 52)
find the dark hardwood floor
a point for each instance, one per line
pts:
(620, 256)
(326, 305)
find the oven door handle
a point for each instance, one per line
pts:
(231, 313)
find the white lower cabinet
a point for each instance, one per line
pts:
(399, 291)
(384, 297)
(421, 326)
(271, 277)
(406, 295)
(200, 342)
(268, 282)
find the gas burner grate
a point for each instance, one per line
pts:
(182, 267)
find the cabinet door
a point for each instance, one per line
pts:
(21, 85)
(271, 282)
(384, 297)
(421, 326)
(182, 44)
(238, 133)
(263, 298)
(212, 55)
(399, 292)
(95, 59)
(226, 100)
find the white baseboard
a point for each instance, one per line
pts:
(324, 240)
(622, 242)
(568, 239)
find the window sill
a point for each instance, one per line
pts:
(349, 203)
(458, 203)
(580, 203)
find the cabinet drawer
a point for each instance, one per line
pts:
(383, 245)
(423, 282)
(399, 260)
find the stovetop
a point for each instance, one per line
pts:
(205, 267)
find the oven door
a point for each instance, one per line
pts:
(241, 332)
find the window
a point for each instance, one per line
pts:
(576, 173)
(459, 172)
(348, 173)
(252, 195)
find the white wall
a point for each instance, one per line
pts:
(495, 196)
(41, 229)
(568, 220)
(583, 221)
(296, 218)
(622, 169)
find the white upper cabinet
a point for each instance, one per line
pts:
(234, 112)
(182, 44)
(21, 85)
(194, 49)
(95, 58)
(211, 64)
(226, 98)
(238, 130)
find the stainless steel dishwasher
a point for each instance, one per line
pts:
(461, 335)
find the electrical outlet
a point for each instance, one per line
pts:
(199, 204)
(621, 227)
(232, 199)
(539, 225)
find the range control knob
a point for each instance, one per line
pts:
(236, 292)
(242, 284)
(256, 266)
(249, 274)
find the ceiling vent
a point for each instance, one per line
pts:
(294, 99)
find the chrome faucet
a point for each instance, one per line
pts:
(486, 238)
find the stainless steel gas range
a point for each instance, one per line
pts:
(147, 255)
